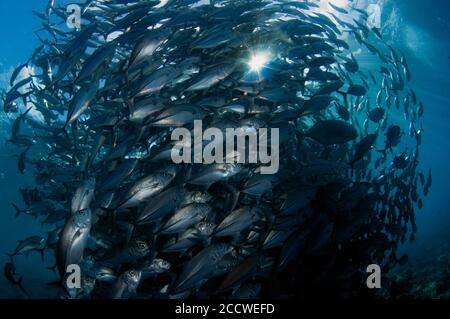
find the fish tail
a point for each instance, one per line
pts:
(24, 99)
(53, 268)
(11, 256)
(41, 252)
(20, 285)
(235, 195)
(18, 210)
(235, 199)
(22, 116)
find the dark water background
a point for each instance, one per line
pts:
(423, 32)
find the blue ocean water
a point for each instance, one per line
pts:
(421, 30)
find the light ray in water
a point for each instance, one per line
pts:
(258, 61)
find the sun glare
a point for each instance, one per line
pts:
(258, 61)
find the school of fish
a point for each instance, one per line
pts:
(95, 114)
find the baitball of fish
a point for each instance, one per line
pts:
(107, 98)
